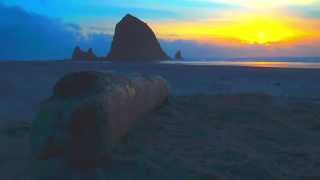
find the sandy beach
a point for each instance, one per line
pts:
(238, 123)
(31, 82)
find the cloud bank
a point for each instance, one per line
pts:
(26, 36)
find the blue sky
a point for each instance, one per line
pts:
(200, 28)
(108, 12)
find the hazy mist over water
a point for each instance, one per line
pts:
(304, 63)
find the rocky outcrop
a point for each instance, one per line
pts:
(89, 113)
(134, 40)
(178, 55)
(81, 55)
(90, 55)
(78, 54)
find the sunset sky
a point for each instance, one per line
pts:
(201, 28)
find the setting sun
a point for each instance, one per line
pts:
(257, 29)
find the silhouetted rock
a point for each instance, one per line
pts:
(135, 40)
(178, 55)
(77, 54)
(90, 55)
(81, 55)
(89, 113)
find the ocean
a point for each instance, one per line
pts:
(297, 63)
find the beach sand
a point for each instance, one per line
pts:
(220, 123)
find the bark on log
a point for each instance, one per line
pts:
(90, 112)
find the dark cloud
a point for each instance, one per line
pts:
(26, 35)
(192, 50)
(201, 51)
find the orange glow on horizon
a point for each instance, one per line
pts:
(269, 64)
(244, 29)
(266, 64)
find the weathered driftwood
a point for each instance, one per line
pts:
(90, 112)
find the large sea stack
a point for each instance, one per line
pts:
(134, 40)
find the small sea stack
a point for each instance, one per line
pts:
(178, 55)
(134, 40)
(80, 55)
(91, 56)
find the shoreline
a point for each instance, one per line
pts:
(26, 84)
(265, 64)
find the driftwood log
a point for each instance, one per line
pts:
(89, 113)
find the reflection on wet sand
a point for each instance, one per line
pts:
(262, 64)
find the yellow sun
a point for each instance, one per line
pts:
(248, 29)
(258, 30)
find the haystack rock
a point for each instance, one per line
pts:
(178, 55)
(134, 40)
(79, 54)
